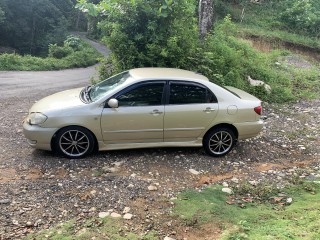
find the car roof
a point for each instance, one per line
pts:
(165, 74)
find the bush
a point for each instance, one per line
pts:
(86, 56)
(73, 42)
(302, 16)
(144, 34)
(58, 52)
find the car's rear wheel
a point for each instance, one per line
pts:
(219, 141)
(74, 142)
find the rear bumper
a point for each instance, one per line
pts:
(249, 129)
(38, 137)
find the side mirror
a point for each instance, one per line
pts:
(113, 103)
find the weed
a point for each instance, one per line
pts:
(262, 191)
(91, 229)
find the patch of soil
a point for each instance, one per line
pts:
(266, 45)
(7, 174)
(209, 231)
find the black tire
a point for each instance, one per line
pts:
(219, 141)
(74, 142)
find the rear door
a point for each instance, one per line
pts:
(190, 109)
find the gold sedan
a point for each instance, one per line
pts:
(144, 107)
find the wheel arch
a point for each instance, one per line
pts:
(223, 125)
(52, 143)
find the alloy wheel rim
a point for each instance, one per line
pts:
(74, 143)
(220, 142)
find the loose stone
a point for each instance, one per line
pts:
(5, 201)
(128, 216)
(115, 215)
(103, 214)
(227, 190)
(152, 188)
(126, 210)
(195, 172)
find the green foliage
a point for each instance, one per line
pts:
(2, 15)
(147, 33)
(73, 42)
(293, 16)
(93, 228)
(254, 221)
(302, 16)
(58, 52)
(59, 58)
(30, 26)
(164, 34)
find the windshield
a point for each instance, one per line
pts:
(102, 88)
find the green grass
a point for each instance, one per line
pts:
(279, 36)
(229, 60)
(86, 56)
(263, 23)
(99, 229)
(256, 220)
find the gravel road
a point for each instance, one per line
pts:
(39, 189)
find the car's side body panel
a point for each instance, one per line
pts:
(132, 124)
(188, 122)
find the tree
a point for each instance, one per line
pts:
(2, 16)
(146, 32)
(205, 17)
(30, 25)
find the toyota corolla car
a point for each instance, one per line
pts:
(144, 107)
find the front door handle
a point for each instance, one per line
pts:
(156, 112)
(209, 110)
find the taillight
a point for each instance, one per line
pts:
(258, 110)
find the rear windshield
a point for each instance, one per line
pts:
(231, 92)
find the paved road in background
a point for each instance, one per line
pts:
(30, 83)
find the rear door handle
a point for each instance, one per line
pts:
(209, 110)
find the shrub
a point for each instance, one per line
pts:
(302, 16)
(73, 42)
(58, 52)
(144, 33)
(86, 56)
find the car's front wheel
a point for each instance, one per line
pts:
(219, 141)
(74, 142)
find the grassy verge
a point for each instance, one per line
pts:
(98, 229)
(84, 57)
(255, 212)
(228, 59)
(280, 36)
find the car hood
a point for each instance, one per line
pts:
(59, 101)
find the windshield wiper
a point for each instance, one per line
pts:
(87, 93)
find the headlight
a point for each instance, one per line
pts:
(36, 118)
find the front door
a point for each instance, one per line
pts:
(139, 117)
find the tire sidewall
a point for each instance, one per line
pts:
(208, 136)
(85, 131)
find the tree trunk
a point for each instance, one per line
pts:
(205, 17)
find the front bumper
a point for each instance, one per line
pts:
(38, 137)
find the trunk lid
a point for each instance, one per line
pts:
(242, 94)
